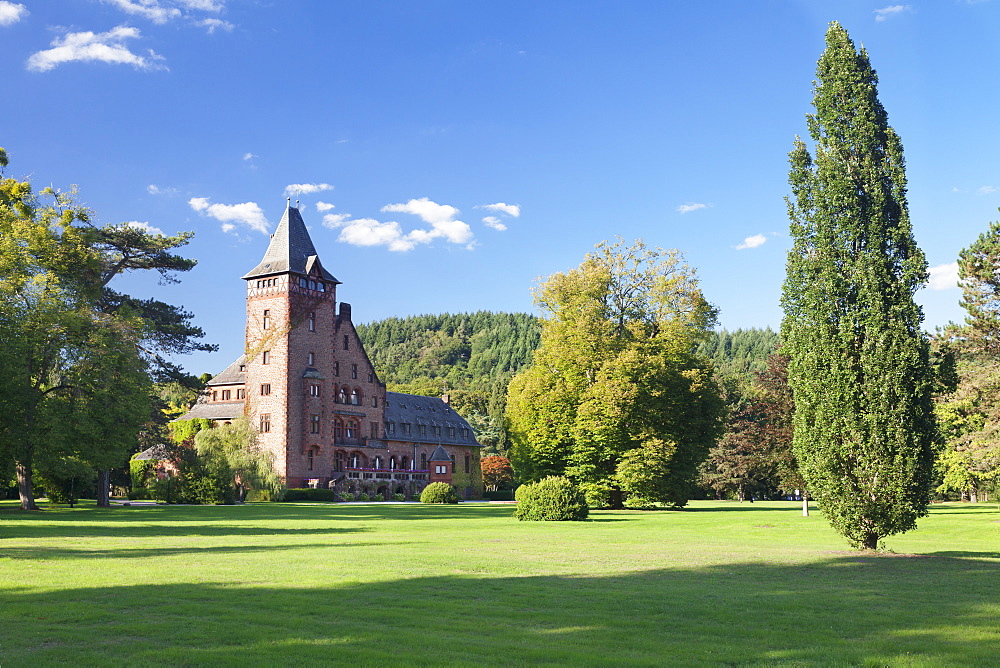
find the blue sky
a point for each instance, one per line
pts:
(448, 153)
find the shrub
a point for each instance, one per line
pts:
(399, 497)
(309, 494)
(597, 494)
(499, 495)
(346, 495)
(439, 492)
(364, 497)
(550, 499)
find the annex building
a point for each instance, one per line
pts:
(307, 384)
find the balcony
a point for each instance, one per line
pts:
(399, 475)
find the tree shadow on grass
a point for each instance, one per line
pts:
(42, 553)
(135, 530)
(915, 611)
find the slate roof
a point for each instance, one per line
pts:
(439, 455)
(431, 412)
(234, 374)
(156, 452)
(227, 410)
(290, 250)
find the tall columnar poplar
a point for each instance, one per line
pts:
(859, 369)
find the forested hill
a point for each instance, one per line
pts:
(742, 352)
(474, 354)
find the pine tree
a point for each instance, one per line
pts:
(859, 366)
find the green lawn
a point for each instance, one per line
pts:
(269, 584)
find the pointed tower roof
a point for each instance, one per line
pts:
(290, 250)
(439, 455)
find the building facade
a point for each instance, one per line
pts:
(307, 384)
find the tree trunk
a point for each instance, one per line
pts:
(805, 504)
(616, 500)
(24, 487)
(104, 489)
(870, 542)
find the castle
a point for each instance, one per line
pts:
(307, 384)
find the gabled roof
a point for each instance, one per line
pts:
(234, 374)
(218, 410)
(439, 455)
(290, 250)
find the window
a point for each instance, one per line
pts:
(406, 427)
(338, 461)
(312, 359)
(267, 318)
(423, 429)
(423, 461)
(354, 371)
(352, 429)
(465, 433)
(371, 377)
(313, 390)
(467, 463)
(453, 462)
(404, 463)
(390, 427)
(320, 287)
(265, 423)
(338, 429)
(451, 432)
(265, 389)
(440, 468)
(303, 282)
(346, 342)
(342, 397)
(312, 321)
(241, 394)
(437, 431)
(215, 396)
(225, 395)
(355, 398)
(309, 459)
(314, 424)
(374, 429)
(378, 462)
(267, 357)
(392, 463)
(312, 285)
(336, 368)
(374, 402)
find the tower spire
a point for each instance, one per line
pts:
(291, 249)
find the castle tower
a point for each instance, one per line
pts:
(290, 330)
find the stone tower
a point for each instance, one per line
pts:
(290, 330)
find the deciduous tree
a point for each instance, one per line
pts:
(859, 369)
(616, 370)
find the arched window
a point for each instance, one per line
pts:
(354, 460)
(352, 429)
(378, 462)
(356, 398)
(423, 461)
(392, 463)
(342, 396)
(403, 463)
(338, 429)
(309, 459)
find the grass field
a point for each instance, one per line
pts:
(285, 584)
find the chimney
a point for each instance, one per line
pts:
(444, 398)
(345, 311)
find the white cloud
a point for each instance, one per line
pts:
(105, 47)
(441, 218)
(371, 232)
(156, 190)
(211, 25)
(306, 188)
(691, 206)
(247, 213)
(144, 226)
(752, 242)
(512, 210)
(494, 222)
(324, 206)
(890, 11)
(943, 276)
(11, 12)
(249, 156)
(148, 9)
(986, 190)
(204, 5)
